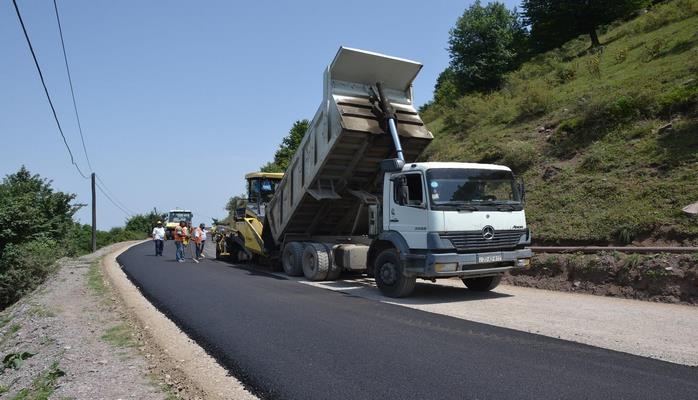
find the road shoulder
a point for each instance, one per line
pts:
(178, 356)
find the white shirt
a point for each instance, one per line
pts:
(159, 233)
(203, 234)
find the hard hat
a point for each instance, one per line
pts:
(201, 225)
(159, 222)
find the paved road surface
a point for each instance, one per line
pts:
(292, 341)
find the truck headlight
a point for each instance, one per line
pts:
(445, 267)
(523, 262)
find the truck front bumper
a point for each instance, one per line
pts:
(443, 265)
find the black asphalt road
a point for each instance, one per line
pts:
(287, 340)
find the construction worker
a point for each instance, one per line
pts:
(158, 237)
(204, 234)
(180, 235)
(197, 237)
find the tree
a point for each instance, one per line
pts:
(554, 22)
(485, 43)
(36, 226)
(446, 90)
(144, 223)
(288, 147)
(30, 209)
(236, 202)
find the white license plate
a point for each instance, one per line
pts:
(489, 259)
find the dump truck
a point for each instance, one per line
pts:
(355, 197)
(174, 217)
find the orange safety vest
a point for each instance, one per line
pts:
(179, 234)
(198, 235)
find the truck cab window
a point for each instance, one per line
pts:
(407, 190)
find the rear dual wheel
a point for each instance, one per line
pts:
(291, 259)
(316, 261)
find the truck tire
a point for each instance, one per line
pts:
(316, 262)
(291, 259)
(389, 275)
(483, 284)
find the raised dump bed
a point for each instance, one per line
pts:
(336, 169)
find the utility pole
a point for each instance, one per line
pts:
(94, 215)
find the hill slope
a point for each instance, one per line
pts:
(607, 140)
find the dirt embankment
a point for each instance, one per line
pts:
(669, 278)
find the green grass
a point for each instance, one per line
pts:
(95, 280)
(41, 311)
(590, 132)
(43, 386)
(10, 331)
(119, 336)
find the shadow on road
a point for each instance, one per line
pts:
(356, 284)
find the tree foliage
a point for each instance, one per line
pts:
(486, 42)
(30, 209)
(288, 147)
(35, 226)
(144, 223)
(554, 22)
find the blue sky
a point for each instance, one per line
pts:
(178, 100)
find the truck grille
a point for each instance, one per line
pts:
(474, 241)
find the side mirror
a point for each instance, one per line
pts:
(521, 188)
(392, 165)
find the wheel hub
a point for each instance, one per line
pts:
(388, 273)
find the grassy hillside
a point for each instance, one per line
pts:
(606, 140)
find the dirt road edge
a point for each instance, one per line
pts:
(182, 354)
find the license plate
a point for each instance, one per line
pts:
(489, 259)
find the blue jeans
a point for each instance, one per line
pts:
(158, 246)
(179, 253)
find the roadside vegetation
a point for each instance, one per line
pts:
(38, 229)
(604, 136)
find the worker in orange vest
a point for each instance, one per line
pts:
(197, 236)
(180, 235)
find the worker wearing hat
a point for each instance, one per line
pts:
(158, 237)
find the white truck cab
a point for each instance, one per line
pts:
(462, 217)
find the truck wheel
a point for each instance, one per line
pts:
(316, 262)
(334, 270)
(291, 259)
(484, 284)
(389, 275)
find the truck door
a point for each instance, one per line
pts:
(407, 213)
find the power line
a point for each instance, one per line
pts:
(128, 214)
(43, 83)
(121, 205)
(70, 80)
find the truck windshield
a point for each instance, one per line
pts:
(472, 189)
(179, 216)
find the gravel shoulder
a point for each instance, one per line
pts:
(87, 333)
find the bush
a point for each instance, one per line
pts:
(535, 100)
(518, 155)
(25, 266)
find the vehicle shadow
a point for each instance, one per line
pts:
(424, 293)
(355, 284)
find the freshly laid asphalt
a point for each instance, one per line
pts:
(287, 340)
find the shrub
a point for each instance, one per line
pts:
(534, 101)
(23, 267)
(653, 49)
(566, 73)
(593, 64)
(518, 155)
